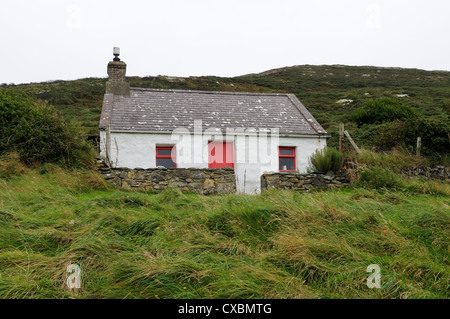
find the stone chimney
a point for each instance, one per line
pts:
(116, 72)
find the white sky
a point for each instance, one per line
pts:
(44, 40)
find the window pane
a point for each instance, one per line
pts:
(286, 164)
(286, 152)
(166, 162)
(164, 152)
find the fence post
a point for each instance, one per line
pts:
(341, 137)
(419, 146)
(341, 144)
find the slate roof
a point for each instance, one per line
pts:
(155, 110)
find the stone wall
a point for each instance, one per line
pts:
(304, 182)
(202, 181)
(223, 181)
(437, 172)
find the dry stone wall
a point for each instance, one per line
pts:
(436, 172)
(304, 182)
(202, 181)
(223, 181)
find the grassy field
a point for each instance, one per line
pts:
(280, 244)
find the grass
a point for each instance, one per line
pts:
(396, 160)
(280, 244)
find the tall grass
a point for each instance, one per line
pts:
(280, 244)
(326, 159)
(395, 160)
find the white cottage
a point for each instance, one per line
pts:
(253, 133)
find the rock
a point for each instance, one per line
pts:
(198, 175)
(330, 173)
(117, 181)
(320, 182)
(226, 188)
(140, 176)
(125, 185)
(208, 184)
(195, 187)
(156, 177)
(177, 184)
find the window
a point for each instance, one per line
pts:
(166, 157)
(286, 159)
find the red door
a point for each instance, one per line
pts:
(220, 154)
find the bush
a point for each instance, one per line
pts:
(378, 178)
(387, 124)
(382, 110)
(38, 133)
(434, 135)
(326, 159)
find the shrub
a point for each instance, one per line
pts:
(378, 178)
(38, 133)
(382, 110)
(326, 159)
(404, 133)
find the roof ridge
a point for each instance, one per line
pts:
(206, 92)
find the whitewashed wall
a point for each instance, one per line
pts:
(139, 150)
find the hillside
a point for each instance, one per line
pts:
(318, 87)
(331, 93)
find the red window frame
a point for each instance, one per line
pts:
(172, 156)
(286, 156)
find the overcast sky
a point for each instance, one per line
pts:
(44, 40)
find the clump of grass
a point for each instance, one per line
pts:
(421, 186)
(326, 159)
(143, 228)
(11, 165)
(95, 181)
(378, 178)
(172, 196)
